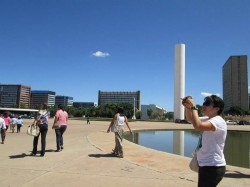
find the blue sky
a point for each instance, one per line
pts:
(77, 47)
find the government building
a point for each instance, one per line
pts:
(235, 83)
(105, 97)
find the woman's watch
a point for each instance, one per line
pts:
(194, 108)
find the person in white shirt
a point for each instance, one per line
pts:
(19, 124)
(210, 156)
(117, 126)
(13, 123)
(3, 129)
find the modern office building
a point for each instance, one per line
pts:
(15, 95)
(64, 100)
(105, 97)
(42, 96)
(155, 110)
(83, 104)
(235, 83)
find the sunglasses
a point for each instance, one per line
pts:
(207, 103)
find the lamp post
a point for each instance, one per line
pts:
(134, 110)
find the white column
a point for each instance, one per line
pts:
(179, 80)
(134, 110)
(178, 142)
(179, 92)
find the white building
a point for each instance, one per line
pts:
(156, 110)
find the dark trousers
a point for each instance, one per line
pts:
(59, 136)
(210, 176)
(3, 133)
(18, 127)
(43, 133)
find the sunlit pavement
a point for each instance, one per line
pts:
(86, 160)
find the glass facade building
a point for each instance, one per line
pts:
(64, 100)
(42, 96)
(17, 96)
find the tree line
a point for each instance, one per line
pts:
(105, 110)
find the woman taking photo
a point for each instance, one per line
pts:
(210, 154)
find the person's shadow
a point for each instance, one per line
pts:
(102, 155)
(235, 174)
(22, 155)
(18, 156)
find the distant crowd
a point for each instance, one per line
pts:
(10, 121)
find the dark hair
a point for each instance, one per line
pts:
(45, 106)
(5, 114)
(120, 110)
(60, 106)
(215, 101)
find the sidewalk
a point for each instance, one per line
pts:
(86, 160)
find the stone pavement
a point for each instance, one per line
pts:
(86, 160)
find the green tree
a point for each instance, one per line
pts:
(169, 115)
(235, 110)
(138, 114)
(149, 112)
(200, 112)
(22, 105)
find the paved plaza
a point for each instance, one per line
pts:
(86, 160)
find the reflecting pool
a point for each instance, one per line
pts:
(237, 147)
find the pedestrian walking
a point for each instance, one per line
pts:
(117, 126)
(88, 122)
(61, 119)
(7, 119)
(13, 122)
(41, 121)
(19, 124)
(2, 129)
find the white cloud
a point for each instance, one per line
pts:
(100, 54)
(205, 94)
(249, 87)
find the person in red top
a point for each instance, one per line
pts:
(6, 118)
(61, 118)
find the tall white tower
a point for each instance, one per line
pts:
(179, 80)
(179, 92)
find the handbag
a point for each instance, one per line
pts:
(33, 130)
(193, 165)
(56, 126)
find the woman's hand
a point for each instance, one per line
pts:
(188, 102)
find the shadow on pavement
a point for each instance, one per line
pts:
(235, 174)
(102, 155)
(18, 156)
(22, 155)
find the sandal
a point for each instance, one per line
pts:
(114, 152)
